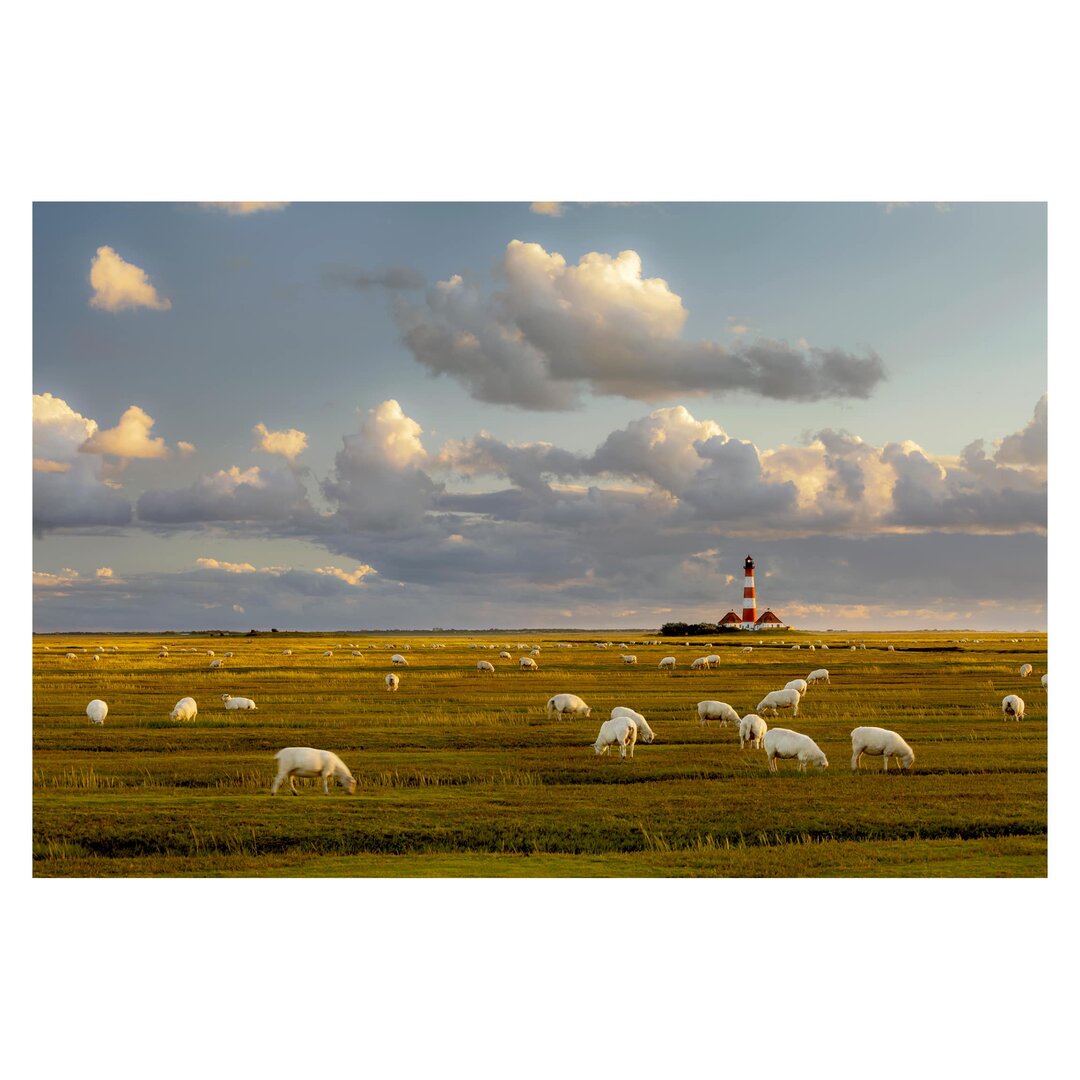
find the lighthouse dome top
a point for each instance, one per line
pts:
(749, 564)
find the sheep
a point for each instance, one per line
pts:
(504, 655)
(95, 657)
(782, 743)
(819, 675)
(398, 659)
(565, 705)
(238, 702)
(645, 733)
(215, 664)
(286, 652)
(392, 681)
(667, 664)
(876, 740)
(716, 710)
(1044, 680)
(227, 655)
(209, 652)
(1025, 670)
(699, 663)
(824, 646)
(797, 684)
(1013, 706)
(810, 647)
(97, 710)
(713, 660)
(184, 709)
(527, 663)
(163, 655)
(620, 731)
(796, 646)
(483, 665)
(70, 656)
(296, 761)
(775, 700)
(100, 648)
(748, 648)
(891, 648)
(752, 729)
(853, 649)
(328, 654)
(629, 659)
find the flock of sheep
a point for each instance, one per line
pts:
(624, 729)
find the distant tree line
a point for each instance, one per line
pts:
(682, 629)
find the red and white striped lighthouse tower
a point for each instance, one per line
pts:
(749, 603)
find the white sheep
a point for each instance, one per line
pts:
(713, 660)
(621, 732)
(1044, 680)
(357, 653)
(810, 647)
(891, 648)
(782, 743)
(70, 656)
(825, 646)
(95, 657)
(163, 655)
(286, 652)
(97, 710)
(796, 646)
(296, 761)
(752, 729)
(398, 659)
(238, 702)
(184, 709)
(748, 648)
(484, 665)
(819, 675)
(214, 664)
(876, 740)
(645, 733)
(629, 659)
(1025, 670)
(227, 655)
(1013, 706)
(716, 710)
(209, 652)
(797, 684)
(775, 700)
(667, 664)
(700, 663)
(328, 654)
(566, 705)
(527, 663)
(504, 655)
(392, 681)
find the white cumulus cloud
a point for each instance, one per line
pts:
(119, 285)
(129, 439)
(289, 444)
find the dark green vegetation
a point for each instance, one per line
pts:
(462, 774)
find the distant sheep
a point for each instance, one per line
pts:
(184, 709)
(713, 660)
(748, 648)
(1025, 670)
(629, 659)
(796, 646)
(891, 648)
(504, 655)
(716, 710)
(527, 663)
(645, 733)
(810, 647)
(782, 743)
(286, 652)
(328, 654)
(620, 732)
(483, 665)
(392, 681)
(819, 675)
(357, 653)
(70, 656)
(699, 664)
(752, 729)
(567, 705)
(238, 702)
(797, 684)
(398, 659)
(296, 761)
(163, 655)
(1012, 706)
(1044, 680)
(775, 700)
(97, 710)
(875, 741)
(667, 664)
(214, 664)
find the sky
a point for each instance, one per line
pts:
(470, 415)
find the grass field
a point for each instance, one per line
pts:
(462, 774)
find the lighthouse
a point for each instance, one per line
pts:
(749, 603)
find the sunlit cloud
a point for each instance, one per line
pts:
(243, 208)
(549, 209)
(120, 285)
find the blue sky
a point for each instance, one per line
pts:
(919, 328)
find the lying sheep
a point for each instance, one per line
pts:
(97, 710)
(527, 663)
(782, 743)
(775, 700)
(876, 740)
(1013, 706)
(184, 709)
(238, 702)
(667, 664)
(797, 684)
(818, 675)
(716, 710)
(752, 730)
(620, 732)
(392, 681)
(1025, 670)
(567, 705)
(398, 659)
(296, 761)
(644, 733)
(485, 666)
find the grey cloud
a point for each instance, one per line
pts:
(1026, 447)
(76, 499)
(354, 277)
(260, 495)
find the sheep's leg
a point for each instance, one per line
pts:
(292, 784)
(326, 783)
(885, 760)
(856, 758)
(631, 751)
(277, 783)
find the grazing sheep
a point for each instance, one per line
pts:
(328, 654)
(716, 710)
(667, 664)
(483, 665)
(215, 664)
(504, 655)
(1044, 680)
(97, 710)
(527, 663)
(184, 709)
(227, 655)
(819, 675)
(699, 664)
(797, 684)
(810, 647)
(392, 681)
(796, 646)
(209, 652)
(713, 660)
(1025, 670)
(163, 655)
(824, 646)
(645, 733)
(775, 700)
(398, 659)
(620, 732)
(95, 657)
(876, 740)
(286, 652)
(752, 730)
(296, 761)
(748, 648)
(891, 648)
(238, 702)
(565, 705)
(853, 648)
(782, 743)
(1013, 706)
(629, 659)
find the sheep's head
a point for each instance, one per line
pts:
(350, 786)
(908, 761)
(588, 712)
(822, 761)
